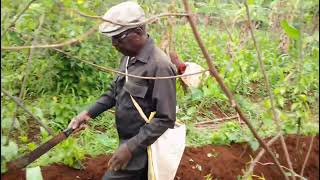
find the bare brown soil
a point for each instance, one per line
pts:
(218, 162)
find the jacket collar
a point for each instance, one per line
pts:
(145, 52)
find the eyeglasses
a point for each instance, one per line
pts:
(120, 38)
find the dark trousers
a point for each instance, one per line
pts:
(127, 175)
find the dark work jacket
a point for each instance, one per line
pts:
(151, 95)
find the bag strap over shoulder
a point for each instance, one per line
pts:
(135, 103)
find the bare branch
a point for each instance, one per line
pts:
(234, 55)
(26, 73)
(108, 69)
(307, 156)
(227, 29)
(216, 120)
(66, 43)
(258, 157)
(18, 16)
(266, 80)
(213, 71)
(18, 102)
(92, 30)
(147, 21)
(294, 173)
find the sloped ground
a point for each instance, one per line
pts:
(218, 162)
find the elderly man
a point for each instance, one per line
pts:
(129, 161)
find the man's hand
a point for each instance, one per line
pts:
(78, 121)
(120, 158)
(181, 67)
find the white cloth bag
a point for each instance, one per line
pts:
(165, 154)
(193, 81)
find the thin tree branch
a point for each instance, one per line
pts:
(66, 43)
(300, 66)
(315, 20)
(171, 25)
(216, 120)
(26, 73)
(298, 133)
(266, 80)
(219, 109)
(18, 16)
(294, 173)
(213, 71)
(307, 156)
(92, 30)
(108, 69)
(226, 28)
(258, 157)
(82, 37)
(18, 102)
(147, 21)
(234, 55)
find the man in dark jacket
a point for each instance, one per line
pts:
(129, 161)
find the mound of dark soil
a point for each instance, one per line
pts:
(217, 162)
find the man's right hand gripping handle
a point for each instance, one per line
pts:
(79, 121)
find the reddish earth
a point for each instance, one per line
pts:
(225, 162)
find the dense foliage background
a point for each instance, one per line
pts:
(57, 86)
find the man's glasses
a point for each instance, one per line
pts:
(121, 37)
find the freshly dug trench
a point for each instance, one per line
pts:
(217, 162)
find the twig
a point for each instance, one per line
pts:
(219, 109)
(266, 80)
(226, 28)
(294, 173)
(300, 66)
(258, 157)
(108, 69)
(213, 71)
(213, 126)
(239, 118)
(307, 156)
(264, 164)
(298, 133)
(216, 120)
(314, 19)
(80, 38)
(147, 21)
(171, 24)
(27, 71)
(18, 102)
(18, 16)
(244, 151)
(233, 57)
(286, 153)
(66, 43)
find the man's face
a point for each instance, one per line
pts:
(128, 42)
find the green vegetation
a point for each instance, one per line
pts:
(59, 86)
